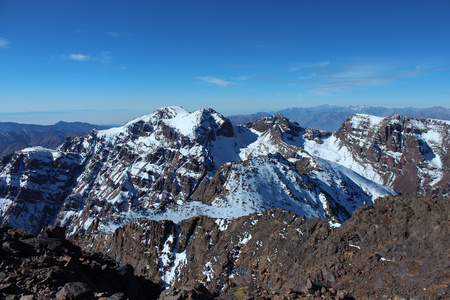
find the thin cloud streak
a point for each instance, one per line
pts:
(103, 58)
(4, 43)
(326, 79)
(115, 34)
(215, 80)
(77, 57)
(340, 81)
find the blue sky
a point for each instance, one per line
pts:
(108, 61)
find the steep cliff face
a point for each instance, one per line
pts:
(151, 164)
(396, 248)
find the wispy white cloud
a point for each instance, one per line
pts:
(104, 57)
(366, 74)
(328, 79)
(4, 43)
(120, 33)
(77, 57)
(111, 33)
(215, 80)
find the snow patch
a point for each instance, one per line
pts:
(334, 224)
(222, 224)
(355, 246)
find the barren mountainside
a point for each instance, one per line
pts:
(396, 249)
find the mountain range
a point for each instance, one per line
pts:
(174, 180)
(174, 164)
(16, 136)
(330, 117)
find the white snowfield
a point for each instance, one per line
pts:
(123, 170)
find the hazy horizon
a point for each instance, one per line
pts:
(123, 116)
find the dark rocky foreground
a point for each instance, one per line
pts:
(48, 267)
(396, 249)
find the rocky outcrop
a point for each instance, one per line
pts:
(396, 248)
(49, 267)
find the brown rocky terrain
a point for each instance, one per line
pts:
(50, 267)
(396, 249)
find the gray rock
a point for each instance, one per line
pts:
(117, 296)
(74, 291)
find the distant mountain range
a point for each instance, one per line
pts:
(15, 136)
(330, 117)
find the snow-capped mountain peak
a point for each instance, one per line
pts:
(189, 124)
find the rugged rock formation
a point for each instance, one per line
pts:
(214, 210)
(48, 266)
(396, 248)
